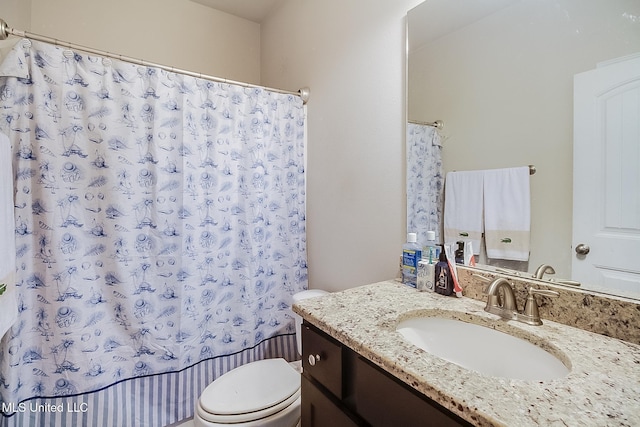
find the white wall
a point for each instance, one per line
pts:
(178, 33)
(352, 56)
(504, 86)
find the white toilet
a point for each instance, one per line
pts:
(264, 393)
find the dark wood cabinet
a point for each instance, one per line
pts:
(322, 360)
(320, 410)
(341, 388)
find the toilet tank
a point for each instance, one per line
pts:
(311, 293)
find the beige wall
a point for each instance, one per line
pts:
(504, 87)
(178, 33)
(351, 55)
(16, 13)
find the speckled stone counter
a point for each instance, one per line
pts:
(602, 388)
(608, 315)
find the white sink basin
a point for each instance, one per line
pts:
(482, 349)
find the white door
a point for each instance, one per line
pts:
(606, 178)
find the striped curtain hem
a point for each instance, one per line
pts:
(153, 401)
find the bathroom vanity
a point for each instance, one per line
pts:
(340, 388)
(359, 370)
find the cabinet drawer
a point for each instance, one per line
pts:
(322, 359)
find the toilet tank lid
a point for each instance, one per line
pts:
(310, 293)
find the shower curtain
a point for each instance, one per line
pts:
(160, 235)
(425, 178)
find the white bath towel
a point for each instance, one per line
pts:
(8, 300)
(463, 203)
(507, 213)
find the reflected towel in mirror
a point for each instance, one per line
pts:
(507, 213)
(463, 205)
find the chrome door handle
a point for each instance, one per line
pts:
(582, 249)
(314, 359)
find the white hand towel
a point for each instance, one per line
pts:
(463, 202)
(8, 300)
(507, 213)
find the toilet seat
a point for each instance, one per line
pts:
(250, 392)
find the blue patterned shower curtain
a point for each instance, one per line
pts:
(160, 233)
(425, 177)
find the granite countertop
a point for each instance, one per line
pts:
(602, 388)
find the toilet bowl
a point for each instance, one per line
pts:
(264, 393)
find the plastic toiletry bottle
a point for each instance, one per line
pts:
(427, 265)
(430, 251)
(426, 275)
(411, 254)
(443, 281)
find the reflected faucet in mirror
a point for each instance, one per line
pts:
(544, 268)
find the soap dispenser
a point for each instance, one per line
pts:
(443, 279)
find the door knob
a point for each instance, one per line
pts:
(582, 249)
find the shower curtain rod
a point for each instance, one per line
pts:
(6, 31)
(438, 124)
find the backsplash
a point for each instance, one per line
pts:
(606, 315)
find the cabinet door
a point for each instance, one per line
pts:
(322, 359)
(318, 410)
(384, 401)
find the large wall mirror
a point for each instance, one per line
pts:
(500, 74)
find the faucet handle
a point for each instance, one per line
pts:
(531, 312)
(545, 292)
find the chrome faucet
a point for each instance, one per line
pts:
(508, 309)
(544, 268)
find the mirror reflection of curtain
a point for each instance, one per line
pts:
(160, 232)
(425, 181)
